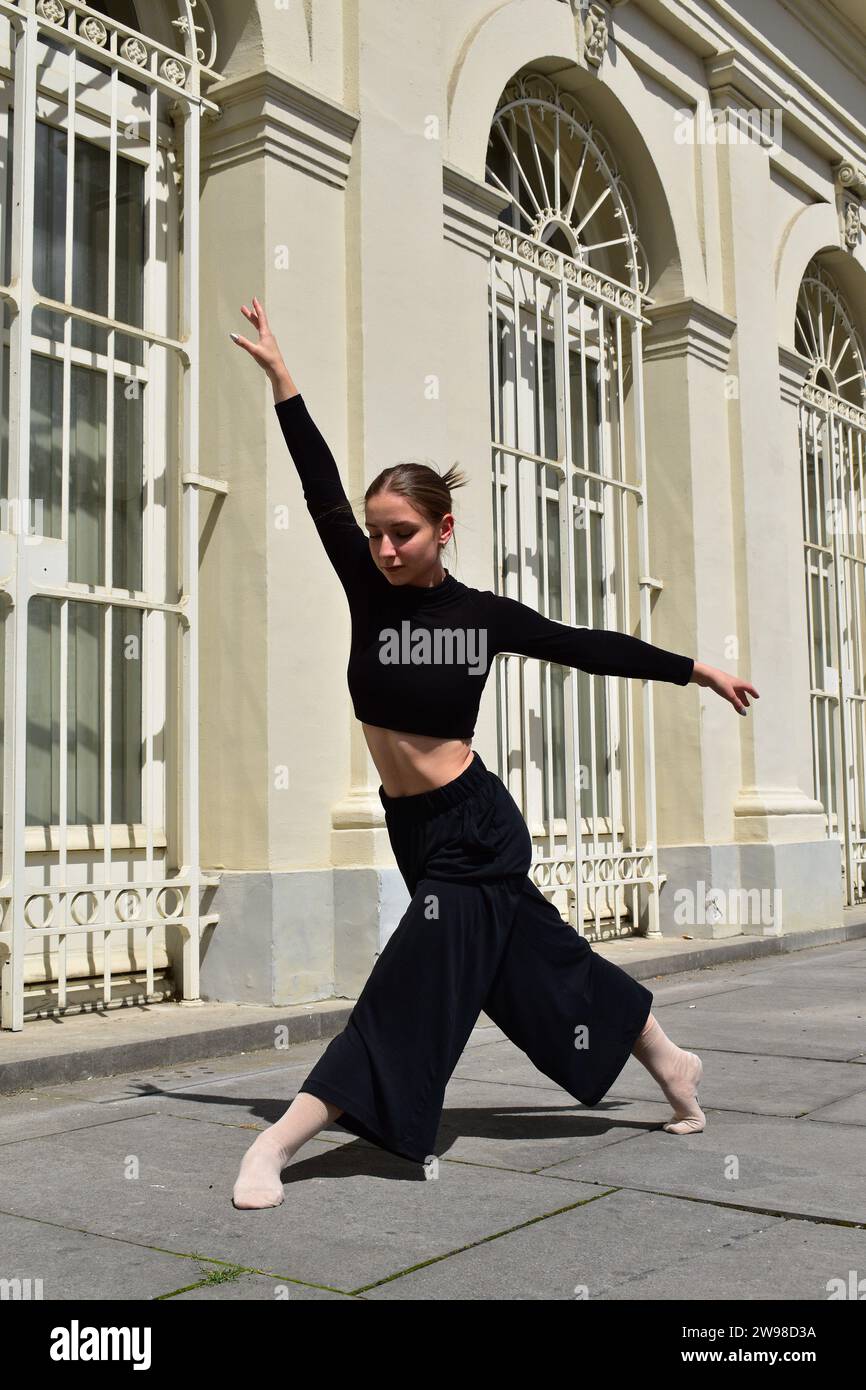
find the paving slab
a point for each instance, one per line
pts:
(630, 1245)
(352, 1213)
(119, 1184)
(782, 1166)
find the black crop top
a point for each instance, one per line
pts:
(420, 657)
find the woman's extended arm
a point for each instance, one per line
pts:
(515, 627)
(345, 543)
(601, 651)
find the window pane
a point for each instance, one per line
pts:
(87, 470)
(49, 222)
(4, 419)
(126, 730)
(6, 154)
(85, 729)
(43, 712)
(46, 441)
(548, 382)
(87, 477)
(128, 509)
(90, 240)
(585, 456)
(85, 766)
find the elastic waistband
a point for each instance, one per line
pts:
(423, 805)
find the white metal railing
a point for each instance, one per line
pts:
(79, 80)
(833, 458)
(568, 282)
(832, 439)
(569, 338)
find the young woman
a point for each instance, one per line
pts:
(478, 934)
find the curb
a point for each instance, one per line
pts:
(326, 1018)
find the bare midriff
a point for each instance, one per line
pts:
(412, 763)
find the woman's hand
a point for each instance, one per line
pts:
(729, 687)
(265, 351)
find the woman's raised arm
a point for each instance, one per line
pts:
(346, 545)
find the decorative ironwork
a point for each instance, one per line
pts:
(187, 26)
(825, 333)
(832, 427)
(77, 871)
(562, 181)
(567, 285)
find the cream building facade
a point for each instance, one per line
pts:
(610, 257)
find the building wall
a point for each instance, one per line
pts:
(344, 185)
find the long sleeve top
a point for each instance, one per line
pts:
(419, 657)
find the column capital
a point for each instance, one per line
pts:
(687, 327)
(850, 181)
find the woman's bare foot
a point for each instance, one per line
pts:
(688, 1117)
(677, 1072)
(259, 1183)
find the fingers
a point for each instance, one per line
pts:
(257, 317)
(263, 318)
(739, 691)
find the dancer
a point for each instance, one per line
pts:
(478, 934)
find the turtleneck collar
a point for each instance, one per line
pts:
(426, 596)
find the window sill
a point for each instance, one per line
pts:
(78, 837)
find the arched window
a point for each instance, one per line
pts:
(833, 464)
(568, 277)
(827, 336)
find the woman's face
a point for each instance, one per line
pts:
(404, 545)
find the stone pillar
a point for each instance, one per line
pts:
(778, 826)
(693, 526)
(278, 740)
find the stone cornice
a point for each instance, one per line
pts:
(709, 32)
(267, 112)
(731, 76)
(794, 369)
(470, 209)
(833, 30)
(687, 327)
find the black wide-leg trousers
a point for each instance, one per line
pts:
(477, 935)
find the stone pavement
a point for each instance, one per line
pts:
(120, 1186)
